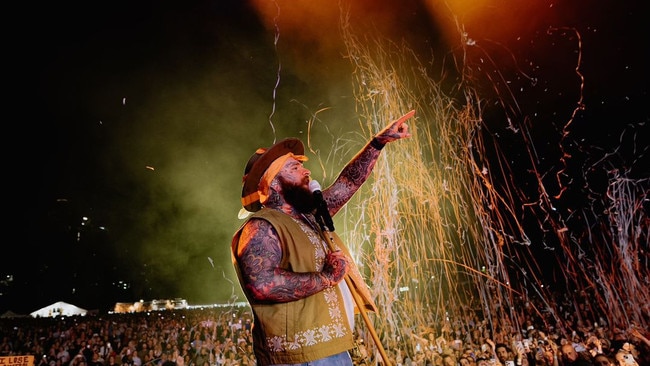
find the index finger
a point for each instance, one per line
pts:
(405, 117)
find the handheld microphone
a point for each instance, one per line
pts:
(322, 211)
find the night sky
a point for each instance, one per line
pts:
(141, 116)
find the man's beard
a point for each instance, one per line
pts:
(298, 196)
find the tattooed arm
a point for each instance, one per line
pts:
(259, 256)
(357, 171)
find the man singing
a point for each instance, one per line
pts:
(292, 270)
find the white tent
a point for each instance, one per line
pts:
(58, 308)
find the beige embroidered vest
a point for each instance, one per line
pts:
(307, 329)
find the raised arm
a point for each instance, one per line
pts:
(357, 171)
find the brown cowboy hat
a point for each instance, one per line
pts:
(257, 165)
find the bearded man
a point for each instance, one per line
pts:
(290, 267)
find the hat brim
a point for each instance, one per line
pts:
(262, 162)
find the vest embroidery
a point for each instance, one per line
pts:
(325, 333)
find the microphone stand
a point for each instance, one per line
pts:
(357, 299)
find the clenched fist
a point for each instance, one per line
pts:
(335, 267)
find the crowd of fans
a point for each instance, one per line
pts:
(218, 336)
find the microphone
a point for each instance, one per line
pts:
(322, 211)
